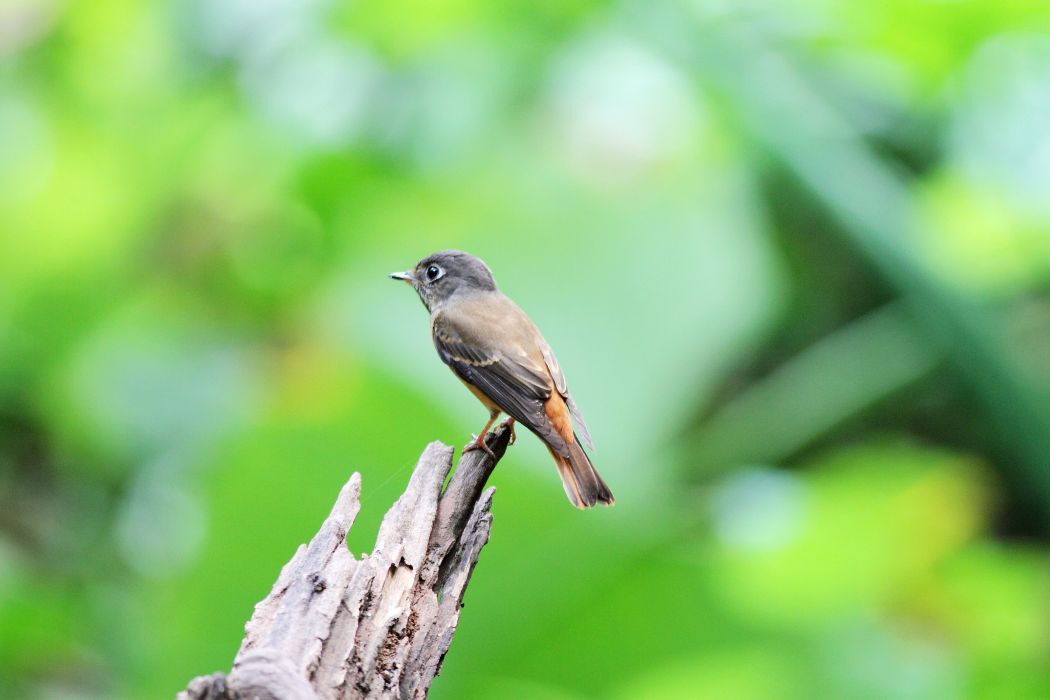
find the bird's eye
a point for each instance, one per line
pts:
(433, 272)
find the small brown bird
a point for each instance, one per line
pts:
(497, 351)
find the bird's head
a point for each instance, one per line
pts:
(436, 278)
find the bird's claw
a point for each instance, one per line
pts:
(509, 424)
(478, 443)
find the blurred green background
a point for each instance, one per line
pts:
(794, 257)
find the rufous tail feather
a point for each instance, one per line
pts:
(582, 484)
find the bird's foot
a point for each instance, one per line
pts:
(509, 423)
(478, 443)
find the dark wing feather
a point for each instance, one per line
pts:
(563, 389)
(514, 385)
(580, 425)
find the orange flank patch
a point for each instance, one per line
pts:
(558, 414)
(481, 397)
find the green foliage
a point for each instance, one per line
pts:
(793, 257)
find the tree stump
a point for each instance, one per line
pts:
(335, 627)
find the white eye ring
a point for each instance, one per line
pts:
(434, 273)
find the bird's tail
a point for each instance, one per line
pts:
(582, 484)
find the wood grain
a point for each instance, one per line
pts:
(377, 626)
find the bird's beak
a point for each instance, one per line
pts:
(403, 276)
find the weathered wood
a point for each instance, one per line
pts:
(335, 627)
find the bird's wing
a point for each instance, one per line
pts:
(563, 388)
(501, 365)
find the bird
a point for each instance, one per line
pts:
(496, 350)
